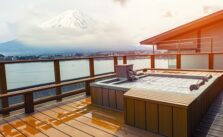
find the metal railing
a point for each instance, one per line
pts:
(198, 45)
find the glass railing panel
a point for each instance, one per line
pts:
(165, 62)
(139, 62)
(218, 61)
(194, 61)
(29, 74)
(74, 69)
(103, 65)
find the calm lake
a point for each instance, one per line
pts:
(28, 74)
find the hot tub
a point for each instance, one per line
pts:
(159, 101)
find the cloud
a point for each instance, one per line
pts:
(167, 14)
(115, 26)
(210, 9)
(7, 32)
(101, 36)
(122, 2)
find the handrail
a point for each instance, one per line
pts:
(98, 57)
(194, 70)
(66, 59)
(184, 39)
(28, 92)
(45, 87)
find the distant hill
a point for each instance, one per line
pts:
(14, 47)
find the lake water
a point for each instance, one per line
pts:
(28, 74)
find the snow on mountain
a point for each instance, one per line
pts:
(70, 19)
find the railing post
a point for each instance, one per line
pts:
(179, 48)
(178, 61)
(87, 88)
(3, 87)
(87, 83)
(29, 104)
(57, 77)
(152, 61)
(198, 41)
(91, 66)
(124, 60)
(211, 45)
(115, 62)
(211, 61)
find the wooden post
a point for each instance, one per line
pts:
(87, 88)
(124, 60)
(211, 45)
(91, 69)
(152, 61)
(3, 87)
(178, 46)
(178, 61)
(153, 49)
(29, 104)
(57, 77)
(115, 62)
(211, 61)
(198, 41)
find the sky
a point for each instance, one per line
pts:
(117, 23)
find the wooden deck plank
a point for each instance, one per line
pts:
(48, 129)
(69, 118)
(211, 132)
(114, 118)
(212, 126)
(100, 116)
(9, 131)
(103, 126)
(24, 128)
(212, 123)
(199, 133)
(60, 125)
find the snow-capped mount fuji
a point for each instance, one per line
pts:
(70, 19)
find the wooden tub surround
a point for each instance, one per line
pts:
(169, 114)
(108, 98)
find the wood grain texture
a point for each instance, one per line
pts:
(152, 117)
(72, 118)
(93, 95)
(112, 99)
(99, 96)
(140, 114)
(180, 122)
(105, 96)
(130, 112)
(119, 99)
(165, 121)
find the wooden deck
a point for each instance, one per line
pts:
(212, 123)
(74, 117)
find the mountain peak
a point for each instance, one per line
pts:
(70, 19)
